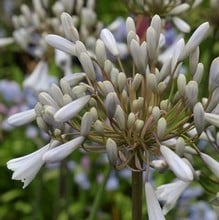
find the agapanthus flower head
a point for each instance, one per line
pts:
(165, 9)
(138, 114)
(33, 23)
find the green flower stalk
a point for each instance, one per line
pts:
(144, 115)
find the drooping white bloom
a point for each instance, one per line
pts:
(211, 163)
(176, 164)
(22, 118)
(72, 109)
(154, 209)
(170, 193)
(25, 168)
(63, 150)
(109, 41)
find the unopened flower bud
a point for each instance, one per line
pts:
(181, 84)
(180, 146)
(191, 93)
(199, 118)
(120, 117)
(109, 41)
(121, 81)
(94, 113)
(152, 82)
(138, 78)
(214, 75)
(86, 123)
(98, 126)
(193, 60)
(111, 103)
(111, 150)
(139, 125)
(87, 65)
(161, 127)
(155, 113)
(68, 26)
(100, 52)
(198, 73)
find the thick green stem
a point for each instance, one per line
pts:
(99, 195)
(137, 195)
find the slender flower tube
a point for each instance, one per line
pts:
(154, 209)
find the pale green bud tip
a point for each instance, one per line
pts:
(22, 118)
(72, 109)
(176, 164)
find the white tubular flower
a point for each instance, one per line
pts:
(109, 41)
(26, 168)
(72, 109)
(154, 209)
(63, 150)
(176, 164)
(170, 193)
(211, 163)
(22, 118)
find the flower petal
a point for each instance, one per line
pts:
(176, 164)
(154, 209)
(170, 193)
(25, 168)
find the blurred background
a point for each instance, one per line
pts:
(67, 190)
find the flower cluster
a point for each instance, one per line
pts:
(34, 23)
(143, 114)
(166, 9)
